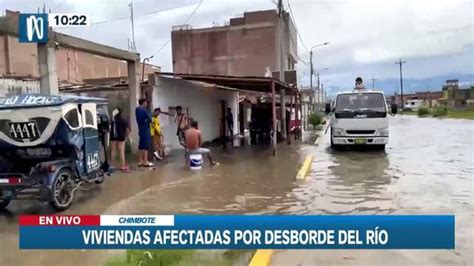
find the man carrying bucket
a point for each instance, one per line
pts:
(193, 143)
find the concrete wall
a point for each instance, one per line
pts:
(21, 59)
(118, 98)
(244, 48)
(201, 102)
(10, 87)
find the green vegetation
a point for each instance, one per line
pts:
(439, 111)
(466, 114)
(315, 119)
(423, 111)
(181, 257)
(443, 112)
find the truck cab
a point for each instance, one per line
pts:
(360, 117)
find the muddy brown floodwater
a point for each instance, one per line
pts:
(426, 169)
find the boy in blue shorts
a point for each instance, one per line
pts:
(144, 144)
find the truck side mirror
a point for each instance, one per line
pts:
(394, 108)
(328, 108)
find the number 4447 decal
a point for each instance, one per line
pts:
(92, 160)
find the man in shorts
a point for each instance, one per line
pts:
(193, 142)
(143, 121)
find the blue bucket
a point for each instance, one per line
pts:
(195, 161)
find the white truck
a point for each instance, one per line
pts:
(359, 117)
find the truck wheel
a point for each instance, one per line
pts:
(63, 190)
(330, 136)
(4, 203)
(334, 146)
(380, 147)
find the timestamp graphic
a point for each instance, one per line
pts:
(61, 20)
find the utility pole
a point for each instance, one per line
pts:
(323, 95)
(311, 69)
(133, 46)
(400, 62)
(282, 69)
(373, 82)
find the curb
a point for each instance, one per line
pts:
(261, 258)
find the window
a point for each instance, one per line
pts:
(89, 118)
(72, 118)
(354, 102)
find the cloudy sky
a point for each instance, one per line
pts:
(435, 37)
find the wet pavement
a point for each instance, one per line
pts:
(426, 169)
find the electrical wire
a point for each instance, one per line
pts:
(136, 16)
(58, 5)
(185, 22)
(296, 27)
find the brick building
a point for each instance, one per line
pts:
(454, 96)
(426, 98)
(21, 60)
(244, 47)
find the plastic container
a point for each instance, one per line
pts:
(195, 161)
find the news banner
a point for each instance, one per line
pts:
(236, 232)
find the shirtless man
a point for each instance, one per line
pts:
(193, 143)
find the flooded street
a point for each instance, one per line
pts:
(427, 168)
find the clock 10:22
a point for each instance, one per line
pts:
(69, 20)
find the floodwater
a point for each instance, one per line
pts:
(426, 169)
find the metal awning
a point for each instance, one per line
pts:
(244, 83)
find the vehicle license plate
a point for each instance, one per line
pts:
(23, 130)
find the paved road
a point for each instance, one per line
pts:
(427, 169)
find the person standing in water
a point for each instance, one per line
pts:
(120, 131)
(143, 121)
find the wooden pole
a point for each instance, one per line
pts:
(300, 105)
(292, 94)
(274, 137)
(296, 115)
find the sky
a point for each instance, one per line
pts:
(366, 37)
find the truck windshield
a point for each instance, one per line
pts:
(360, 102)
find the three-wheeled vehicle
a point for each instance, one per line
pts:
(50, 145)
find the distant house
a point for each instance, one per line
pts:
(428, 99)
(454, 96)
(414, 104)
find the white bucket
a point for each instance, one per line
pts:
(195, 161)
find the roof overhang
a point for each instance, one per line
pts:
(239, 83)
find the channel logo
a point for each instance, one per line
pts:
(33, 28)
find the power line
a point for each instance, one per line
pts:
(296, 44)
(296, 27)
(136, 16)
(57, 6)
(185, 22)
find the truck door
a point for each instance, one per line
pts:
(91, 137)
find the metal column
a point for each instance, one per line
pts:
(274, 137)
